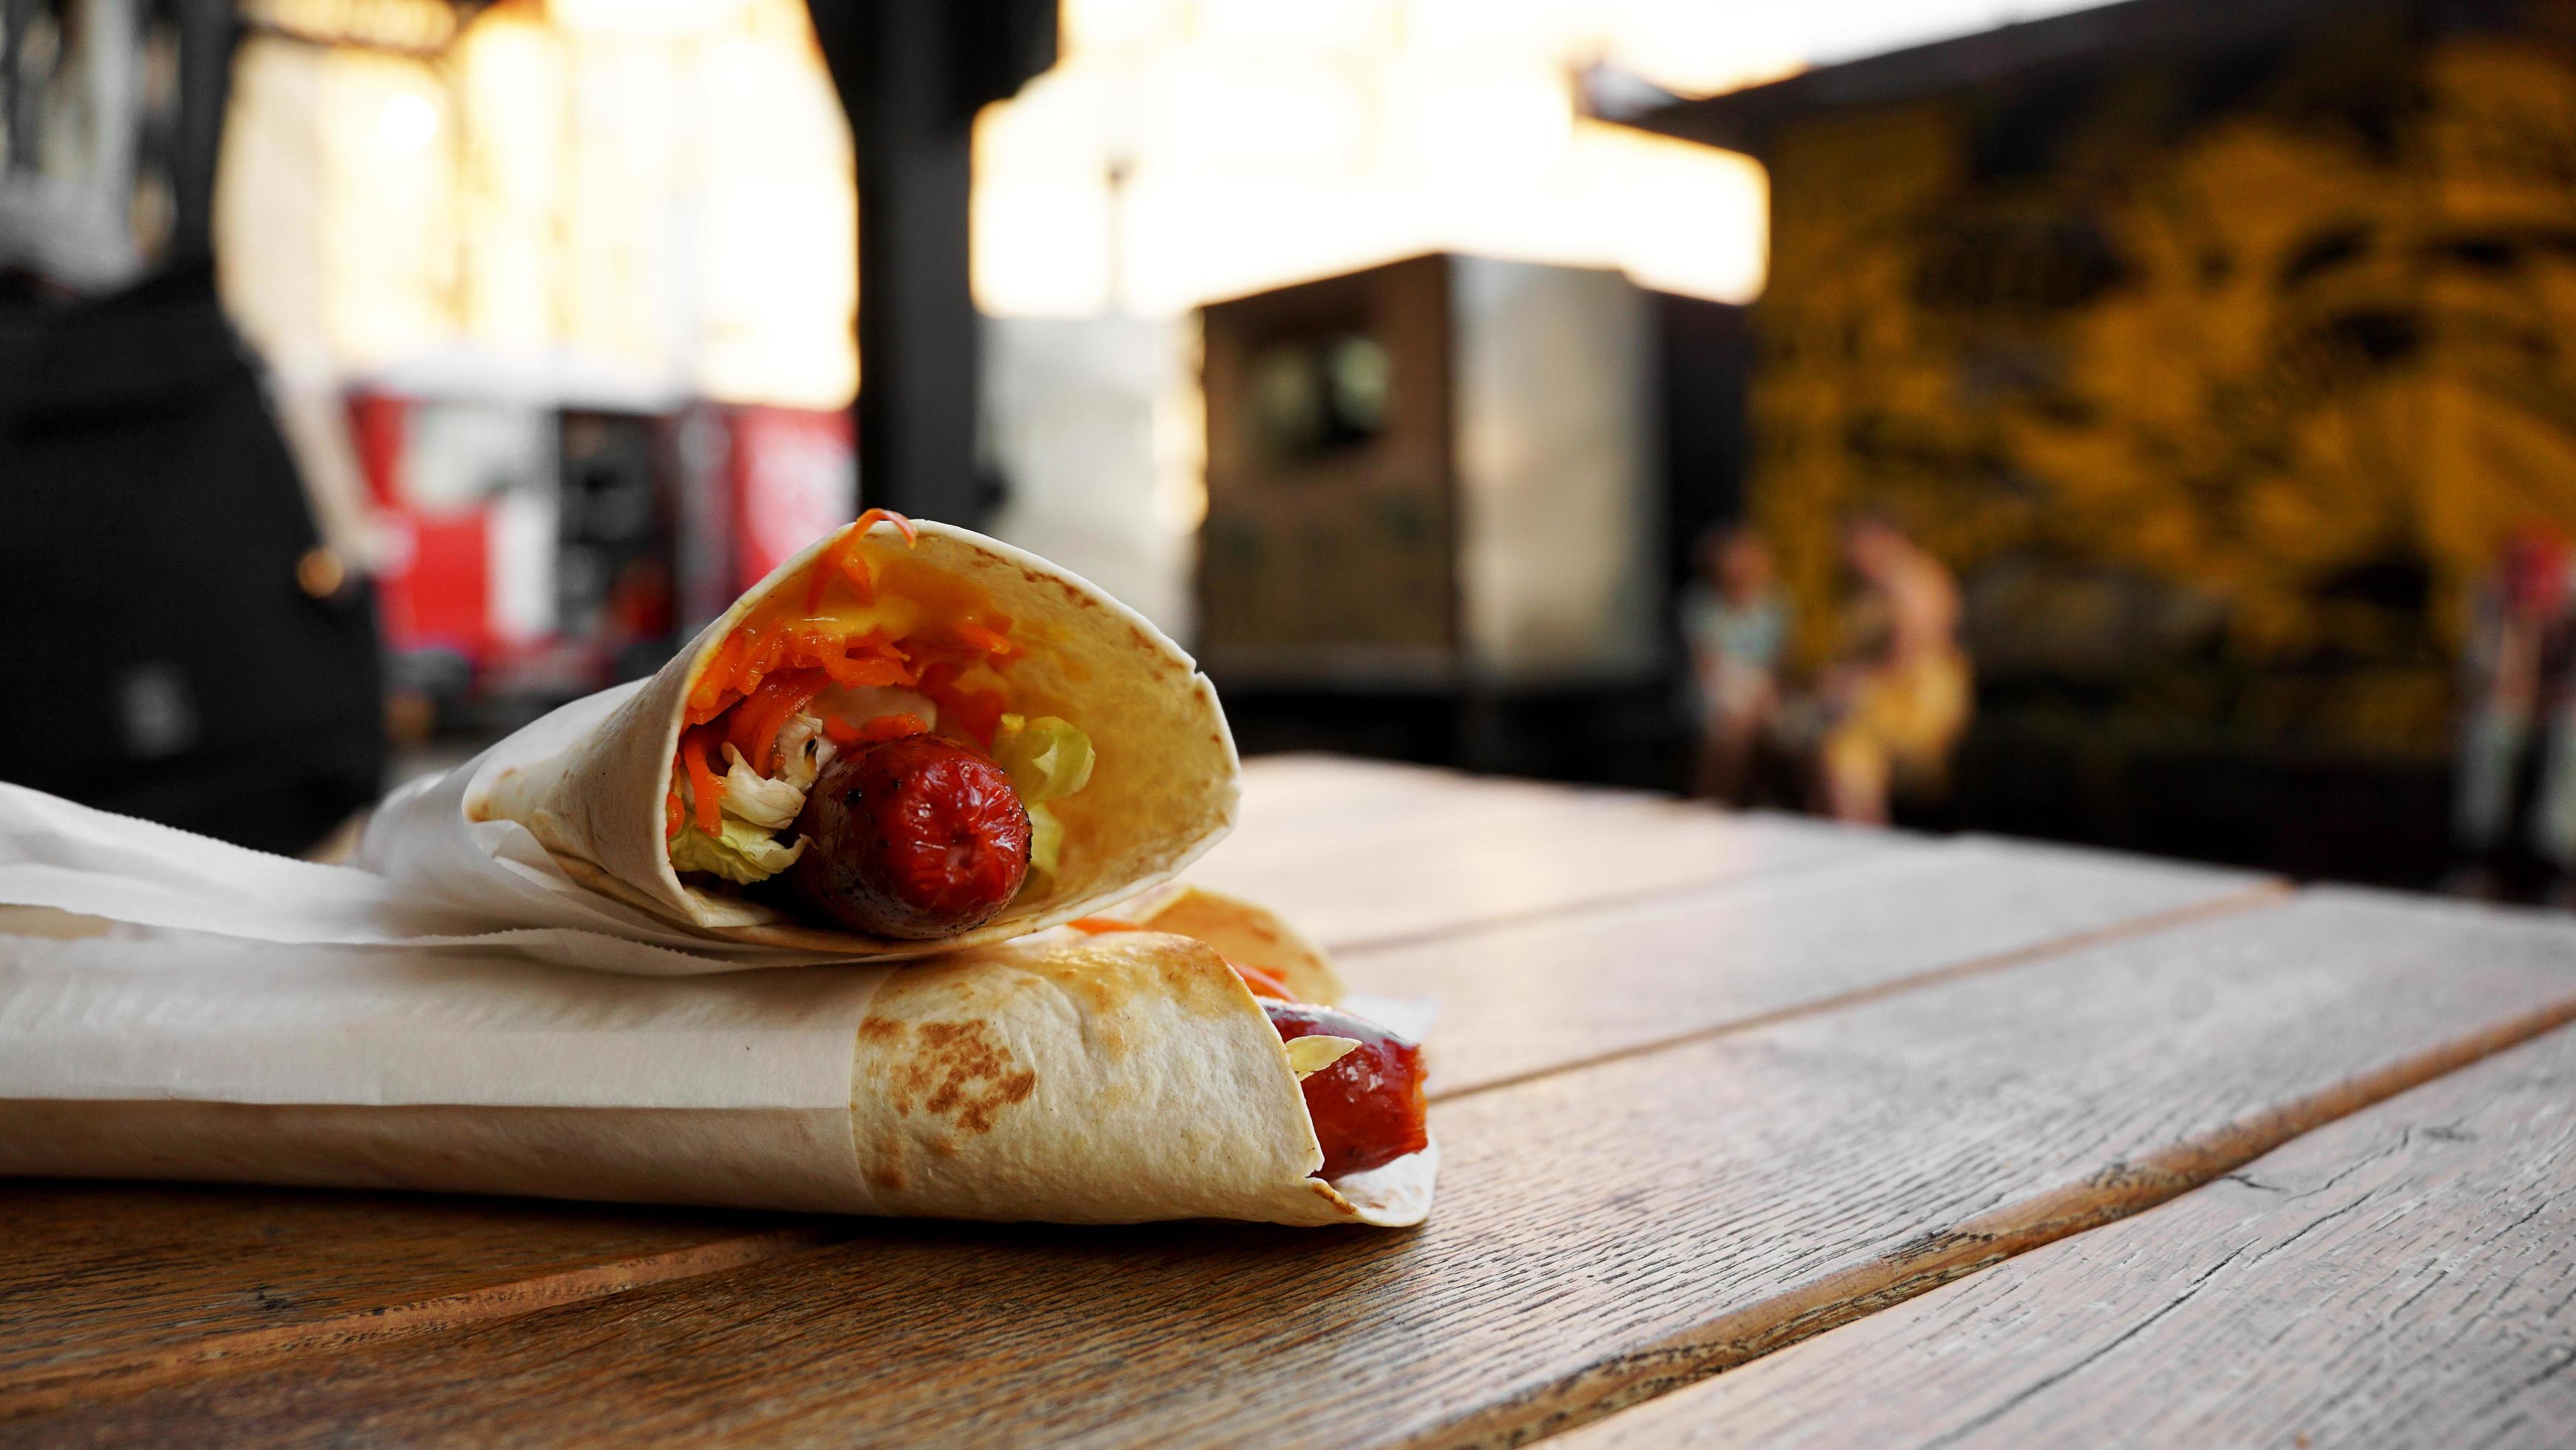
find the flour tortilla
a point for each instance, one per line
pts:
(1165, 787)
(1247, 935)
(1112, 1079)
(1186, 1106)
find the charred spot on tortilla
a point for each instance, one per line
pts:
(959, 1072)
(887, 1175)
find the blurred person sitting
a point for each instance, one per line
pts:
(1735, 625)
(2517, 749)
(1895, 705)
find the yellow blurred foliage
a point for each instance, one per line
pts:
(2263, 354)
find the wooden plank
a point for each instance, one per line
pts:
(1603, 1234)
(108, 1289)
(1522, 999)
(2400, 1277)
(1281, 831)
(1303, 785)
(1438, 870)
(1363, 852)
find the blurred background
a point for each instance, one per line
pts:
(2143, 424)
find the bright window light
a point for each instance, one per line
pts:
(1187, 150)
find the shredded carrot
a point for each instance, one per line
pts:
(878, 728)
(724, 700)
(759, 658)
(841, 561)
(873, 517)
(851, 660)
(1262, 983)
(757, 720)
(794, 688)
(985, 638)
(861, 673)
(809, 648)
(695, 748)
(1100, 925)
(894, 727)
(671, 809)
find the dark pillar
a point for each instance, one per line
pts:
(1707, 364)
(207, 30)
(912, 74)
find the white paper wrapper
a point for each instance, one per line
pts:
(171, 1054)
(425, 877)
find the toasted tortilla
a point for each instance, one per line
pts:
(1140, 1054)
(1110, 1079)
(1165, 786)
(1246, 934)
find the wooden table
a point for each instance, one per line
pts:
(1755, 1129)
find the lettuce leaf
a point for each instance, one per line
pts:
(743, 853)
(1046, 758)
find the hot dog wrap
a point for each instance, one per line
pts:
(1118, 1077)
(1104, 760)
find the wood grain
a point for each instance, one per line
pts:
(1604, 1234)
(2403, 1276)
(1299, 786)
(1540, 996)
(1452, 865)
(104, 1289)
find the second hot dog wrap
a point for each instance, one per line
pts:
(908, 738)
(1103, 1077)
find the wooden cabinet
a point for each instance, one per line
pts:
(1435, 474)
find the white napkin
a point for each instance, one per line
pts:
(424, 877)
